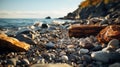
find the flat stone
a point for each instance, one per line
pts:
(83, 51)
(51, 65)
(12, 43)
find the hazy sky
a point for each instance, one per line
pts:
(36, 8)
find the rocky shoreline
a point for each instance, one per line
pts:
(51, 44)
(87, 42)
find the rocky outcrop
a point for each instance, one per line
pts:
(109, 33)
(96, 8)
(48, 17)
(10, 43)
(77, 30)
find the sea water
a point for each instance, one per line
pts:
(8, 23)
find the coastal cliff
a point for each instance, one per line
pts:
(96, 8)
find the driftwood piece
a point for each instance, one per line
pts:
(109, 33)
(10, 43)
(78, 30)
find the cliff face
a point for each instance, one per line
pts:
(96, 8)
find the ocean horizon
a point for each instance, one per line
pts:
(8, 23)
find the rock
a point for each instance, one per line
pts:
(100, 8)
(50, 45)
(118, 50)
(70, 50)
(97, 48)
(25, 62)
(104, 21)
(24, 31)
(112, 45)
(106, 57)
(51, 65)
(12, 61)
(64, 57)
(86, 44)
(27, 35)
(83, 51)
(100, 56)
(115, 65)
(42, 61)
(70, 46)
(77, 30)
(109, 33)
(26, 38)
(48, 17)
(86, 58)
(44, 25)
(12, 44)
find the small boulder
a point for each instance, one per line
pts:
(26, 38)
(48, 17)
(100, 56)
(106, 57)
(44, 25)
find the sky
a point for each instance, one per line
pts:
(37, 8)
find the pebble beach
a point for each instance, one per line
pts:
(91, 38)
(51, 44)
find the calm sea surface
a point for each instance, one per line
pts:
(15, 23)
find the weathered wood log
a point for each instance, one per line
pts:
(78, 30)
(10, 43)
(109, 33)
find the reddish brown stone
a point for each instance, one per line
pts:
(10, 43)
(78, 30)
(109, 33)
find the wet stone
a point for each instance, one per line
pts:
(12, 61)
(50, 45)
(86, 58)
(83, 51)
(100, 56)
(112, 46)
(115, 65)
(114, 43)
(64, 57)
(25, 62)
